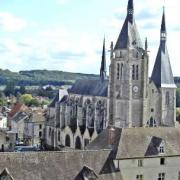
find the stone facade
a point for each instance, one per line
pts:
(129, 98)
(134, 99)
(75, 121)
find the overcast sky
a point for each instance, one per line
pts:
(68, 34)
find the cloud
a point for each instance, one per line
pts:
(64, 55)
(11, 23)
(61, 1)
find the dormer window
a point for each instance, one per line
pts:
(161, 148)
(87, 174)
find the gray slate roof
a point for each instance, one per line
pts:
(129, 36)
(55, 100)
(20, 116)
(54, 165)
(162, 73)
(140, 142)
(90, 87)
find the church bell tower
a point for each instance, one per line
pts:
(128, 76)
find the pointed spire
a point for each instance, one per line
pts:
(146, 44)
(103, 63)
(129, 36)
(162, 74)
(130, 11)
(163, 26)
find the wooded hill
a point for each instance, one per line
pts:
(41, 77)
(44, 77)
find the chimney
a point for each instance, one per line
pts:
(111, 135)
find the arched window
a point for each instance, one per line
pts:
(161, 148)
(49, 131)
(59, 136)
(133, 72)
(137, 72)
(67, 141)
(137, 55)
(118, 70)
(78, 143)
(151, 122)
(121, 70)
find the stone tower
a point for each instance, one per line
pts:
(128, 77)
(162, 86)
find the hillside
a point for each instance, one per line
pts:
(42, 77)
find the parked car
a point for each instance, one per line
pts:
(25, 148)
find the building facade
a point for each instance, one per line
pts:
(128, 98)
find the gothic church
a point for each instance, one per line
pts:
(128, 98)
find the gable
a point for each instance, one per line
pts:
(5, 175)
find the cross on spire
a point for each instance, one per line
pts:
(130, 11)
(163, 26)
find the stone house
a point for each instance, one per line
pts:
(16, 118)
(34, 128)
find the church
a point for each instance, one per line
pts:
(122, 127)
(128, 98)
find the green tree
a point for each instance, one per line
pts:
(178, 97)
(178, 114)
(10, 88)
(3, 102)
(34, 102)
(26, 99)
(22, 90)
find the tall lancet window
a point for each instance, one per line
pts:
(137, 72)
(118, 70)
(121, 70)
(133, 72)
(167, 98)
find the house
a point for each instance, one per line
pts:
(35, 127)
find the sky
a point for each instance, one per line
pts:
(67, 35)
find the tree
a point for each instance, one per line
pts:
(34, 102)
(178, 114)
(178, 97)
(10, 88)
(26, 99)
(3, 102)
(22, 89)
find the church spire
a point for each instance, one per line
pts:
(103, 63)
(129, 36)
(163, 27)
(130, 11)
(162, 74)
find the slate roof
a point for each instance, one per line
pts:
(20, 116)
(129, 36)
(140, 142)
(87, 172)
(90, 87)
(54, 165)
(55, 100)
(103, 63)
(5, 175)
(162, 75)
